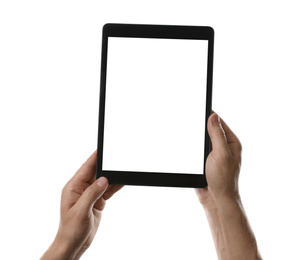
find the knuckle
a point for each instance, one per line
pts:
(219, 133)
(239, 146)
(223, 156)
(65, 188)
(68, 188)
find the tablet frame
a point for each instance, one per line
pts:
(163, 32)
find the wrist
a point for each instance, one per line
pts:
(230, 228)
(223, 203)
(58, 250)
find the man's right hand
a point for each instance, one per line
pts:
(232, 234)
(223, 163)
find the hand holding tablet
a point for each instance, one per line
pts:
(154, 104)
(155, 98)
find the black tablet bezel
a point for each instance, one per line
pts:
(154, 31)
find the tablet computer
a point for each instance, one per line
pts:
(155, 99)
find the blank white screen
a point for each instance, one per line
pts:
(155, 105)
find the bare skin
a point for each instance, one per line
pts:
(232, 234)
(83, 200)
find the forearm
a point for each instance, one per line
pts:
(232, 234)
(59, 250)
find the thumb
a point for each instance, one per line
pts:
(217, 134)
(92, 194)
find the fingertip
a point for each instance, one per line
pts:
(92, 193)
(102, 182)
(213, 122)
(217, 133)
(214, 119)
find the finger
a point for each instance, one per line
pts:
(87, 171)
(92, 194)
(110, 192)
(217, 134)
(232, 139)
(100, 204)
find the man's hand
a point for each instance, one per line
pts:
(233, 237)
(223, 163)
(82, 201)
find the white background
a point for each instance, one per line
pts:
(155, 105)
(49, 88)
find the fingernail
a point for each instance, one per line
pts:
(102, 182)
(215, 120)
